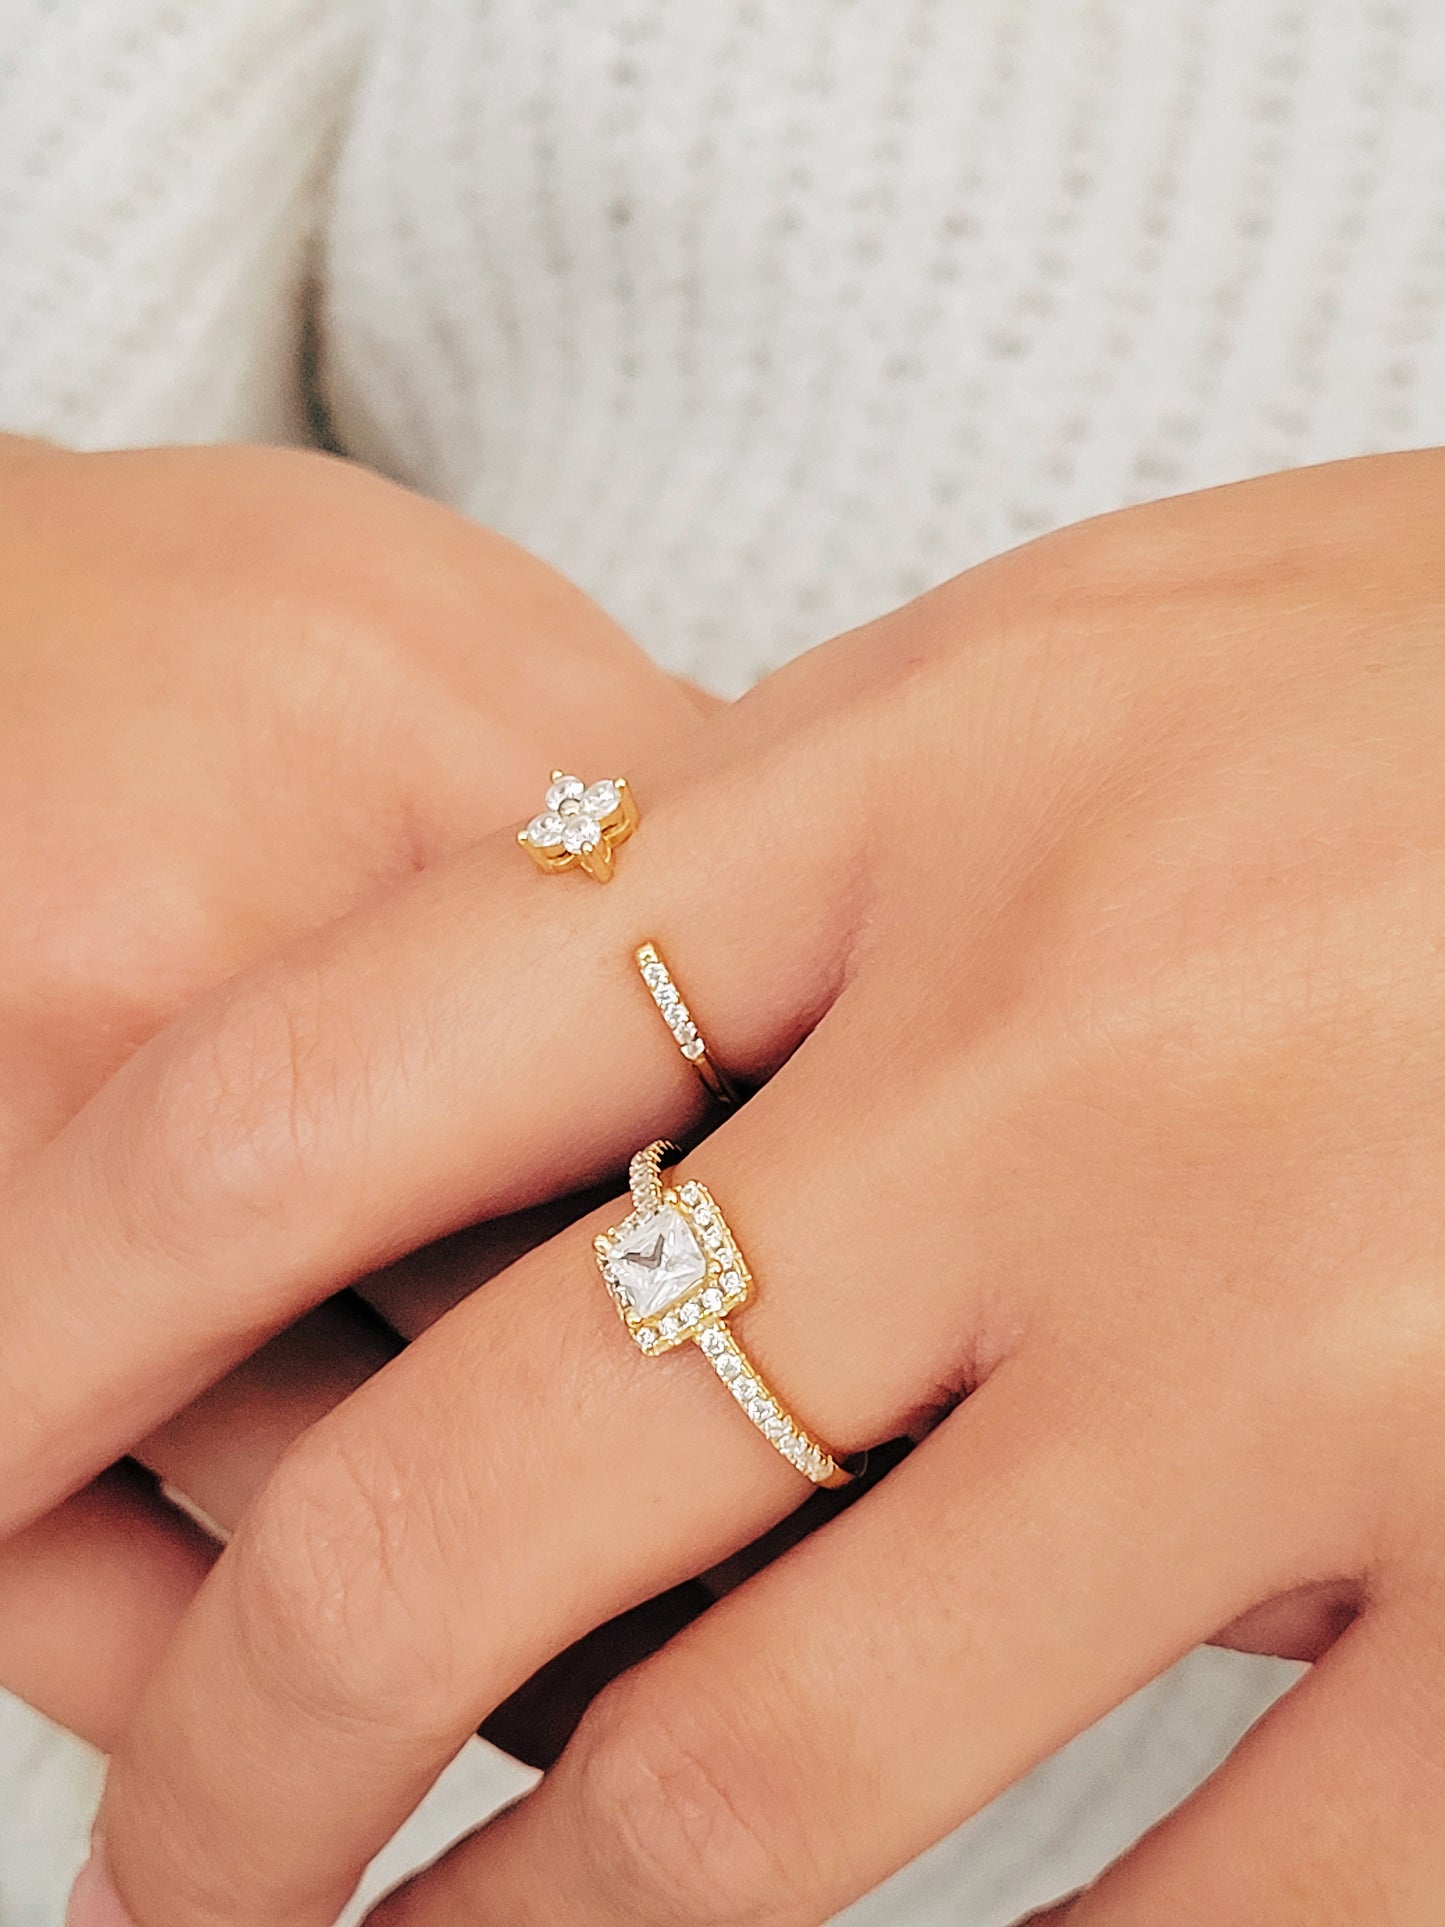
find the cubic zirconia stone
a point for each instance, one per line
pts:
(776, 1427)
(695, 1049)
(690, 1312)
(653, 975)
(581, 833)
(659, 1260)
(731, 1281)
(690, 1193)
(600, 799)
(545, 831)
(566, 789)
(669, 1328)
(744, 1388)
(712, 1236)
(646, 1339)
(712, 1299)
(729, 1367)
(683, 1029)
(713, 1343)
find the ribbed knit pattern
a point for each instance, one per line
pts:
(760, 317)
(756, 317)
(160, 162)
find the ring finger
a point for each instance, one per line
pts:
(399, 1579)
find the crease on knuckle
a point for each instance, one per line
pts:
(243, 1103)
(676, 1817)
(333, 1587)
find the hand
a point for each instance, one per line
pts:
(241, 692)
(1091, 909)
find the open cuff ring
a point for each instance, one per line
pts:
(676, 1274)
(679, 1020)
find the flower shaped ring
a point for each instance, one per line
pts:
(581, 825)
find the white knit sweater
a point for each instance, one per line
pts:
(755, 316)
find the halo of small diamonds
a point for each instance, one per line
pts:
(722, 1287)
(675, 1273)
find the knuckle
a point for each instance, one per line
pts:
(674, 1813)
(243, 1102)
(334, 1594)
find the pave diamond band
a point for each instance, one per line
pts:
(675, 1274)
(679, 1020)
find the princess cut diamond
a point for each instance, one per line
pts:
(659, 1261)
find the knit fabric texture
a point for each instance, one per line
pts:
(756, 318)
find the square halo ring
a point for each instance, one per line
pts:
(673, 1268)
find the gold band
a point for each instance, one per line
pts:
(676, 1274)
(679, 1020)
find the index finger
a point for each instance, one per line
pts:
(476, 1042)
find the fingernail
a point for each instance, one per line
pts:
(93, 1901)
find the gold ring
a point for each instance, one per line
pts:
(679, 1020)
(581, 825)
(676, 1274)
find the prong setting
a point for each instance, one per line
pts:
(580, 825)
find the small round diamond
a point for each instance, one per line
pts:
(653, 975)
(744, 1388)
(669, 1327)
(690, 1312)
(731, 1282)
(566, 789)
(545, 831)
(712, 1299)
(580, 833)
(695, 1049)
(600, 799)
(713, 1343)
(690, 1193)
(729, 1366)
(646, 1339)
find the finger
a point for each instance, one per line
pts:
(518, 1476)
(397, 1076)
(217, 1454)
(219, 1450)
(91, 1592)
(89, 1595)
(1033, 1562)
(1328, 1814)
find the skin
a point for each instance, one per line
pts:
(241, 693)
(1081, 921)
